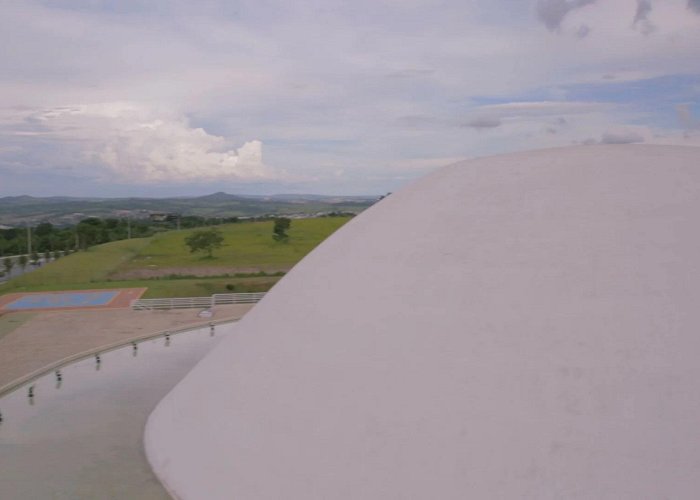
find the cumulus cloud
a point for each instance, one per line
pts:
(134, 144)
(641, 17)
(553, 12)
(408, 82)
(621, 137)
(173, 152)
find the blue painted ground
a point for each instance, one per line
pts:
(77, 299)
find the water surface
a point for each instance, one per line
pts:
(82, 437)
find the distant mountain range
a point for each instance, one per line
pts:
(20, 210)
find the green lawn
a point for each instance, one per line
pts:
(160, 288)
(93, 265)
(248, 246)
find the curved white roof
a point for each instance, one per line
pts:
(521, 326)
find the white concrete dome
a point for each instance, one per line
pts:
(521, 326)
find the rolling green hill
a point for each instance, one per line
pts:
(246, 245)
(249, 261)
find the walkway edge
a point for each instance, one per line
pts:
(25, 379)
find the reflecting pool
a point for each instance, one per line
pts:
(77, 432)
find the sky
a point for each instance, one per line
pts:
(161, 98)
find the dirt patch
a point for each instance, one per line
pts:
(198, 272)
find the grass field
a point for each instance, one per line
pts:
(94, 265)
(158, 288)
(248, 246)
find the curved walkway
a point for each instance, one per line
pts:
(49, 337)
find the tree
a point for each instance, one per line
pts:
(43, 234)
(279, 231)
(91, 231)
(205, 240)
(23, 261)
(43, 229)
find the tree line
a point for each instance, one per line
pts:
(46, 237)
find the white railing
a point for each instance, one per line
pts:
(237, 298)
(197, 302)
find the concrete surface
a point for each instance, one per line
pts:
(517, 327)
(48, 337)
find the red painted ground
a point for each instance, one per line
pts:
(121, 300)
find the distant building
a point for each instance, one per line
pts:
(161, 216)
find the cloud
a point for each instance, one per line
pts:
(553, 12)
(203, 78)
(643, 10)
(542, 108)
(557, 120)
(484, 122)
(685, 116)
(171, 151)
(423, 164)
(694, 5)
(133, 143)
(583, 31)
(621, 137)
(556, 126)
(641, 17)
(418, 121)
(410, 73)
